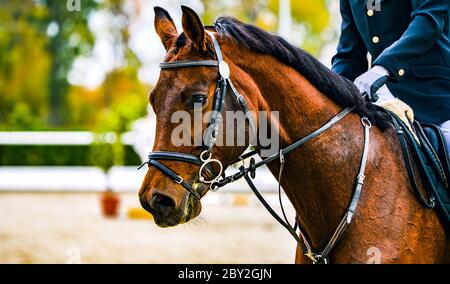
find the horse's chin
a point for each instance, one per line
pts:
(189, 211)
(165, 223)
(193, 207)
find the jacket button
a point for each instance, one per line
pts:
(370, 12)
(401, 72)
(375, 39)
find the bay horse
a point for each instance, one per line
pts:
(319, 178)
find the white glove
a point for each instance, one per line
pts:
(384, 96)
(387, 101)
(371, 81)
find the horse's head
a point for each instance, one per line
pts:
(174, 183)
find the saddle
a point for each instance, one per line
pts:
(430, 155)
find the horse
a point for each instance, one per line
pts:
(319, 178)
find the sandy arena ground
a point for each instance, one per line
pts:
(68, 228)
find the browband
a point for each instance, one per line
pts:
(189, 63)
(198, 63)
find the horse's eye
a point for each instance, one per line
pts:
(199, 100)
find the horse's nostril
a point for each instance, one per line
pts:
(161, 202)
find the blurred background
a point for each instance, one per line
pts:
(75, 124)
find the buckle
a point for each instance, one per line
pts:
(179, 181)
(366, 122)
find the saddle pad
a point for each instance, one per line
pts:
(431, 170)
(436, 138)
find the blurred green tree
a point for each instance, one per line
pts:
(315, 13)
(24, 65)
(310, 18)
(119, 100)
(39, 40)
(68, 37)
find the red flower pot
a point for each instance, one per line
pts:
(110, 202)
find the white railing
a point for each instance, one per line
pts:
(59, 138)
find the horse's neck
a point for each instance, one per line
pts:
(319, 176)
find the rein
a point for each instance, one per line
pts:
(205, 160)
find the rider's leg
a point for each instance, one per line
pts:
(445, 127)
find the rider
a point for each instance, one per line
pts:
(409, 44)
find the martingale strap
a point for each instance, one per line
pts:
(285, 151)
(316, 257)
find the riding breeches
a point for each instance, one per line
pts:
(445, 127)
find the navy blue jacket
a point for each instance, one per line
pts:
(411, 39)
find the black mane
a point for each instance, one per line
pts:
(335, 86)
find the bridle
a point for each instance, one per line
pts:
(205, 160)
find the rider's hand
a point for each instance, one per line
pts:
(404, 112)
(401, 109)
(396, 106)
(371, 81)
(384, 95)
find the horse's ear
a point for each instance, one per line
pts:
(165, 27)
(193, 28)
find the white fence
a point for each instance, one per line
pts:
(58, 138)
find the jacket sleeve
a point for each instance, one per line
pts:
(351, 58)
(427, 25)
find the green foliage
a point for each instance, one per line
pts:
(113, 106)
(35, 61)
(33, 64)
(24, 66)
(120, 115)
(39, 40)
(311, 17)
(71, 25)
(125, 99)
(122, 94)
(105, 155)
(245, 10)
(314, 14)
(22, 117)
